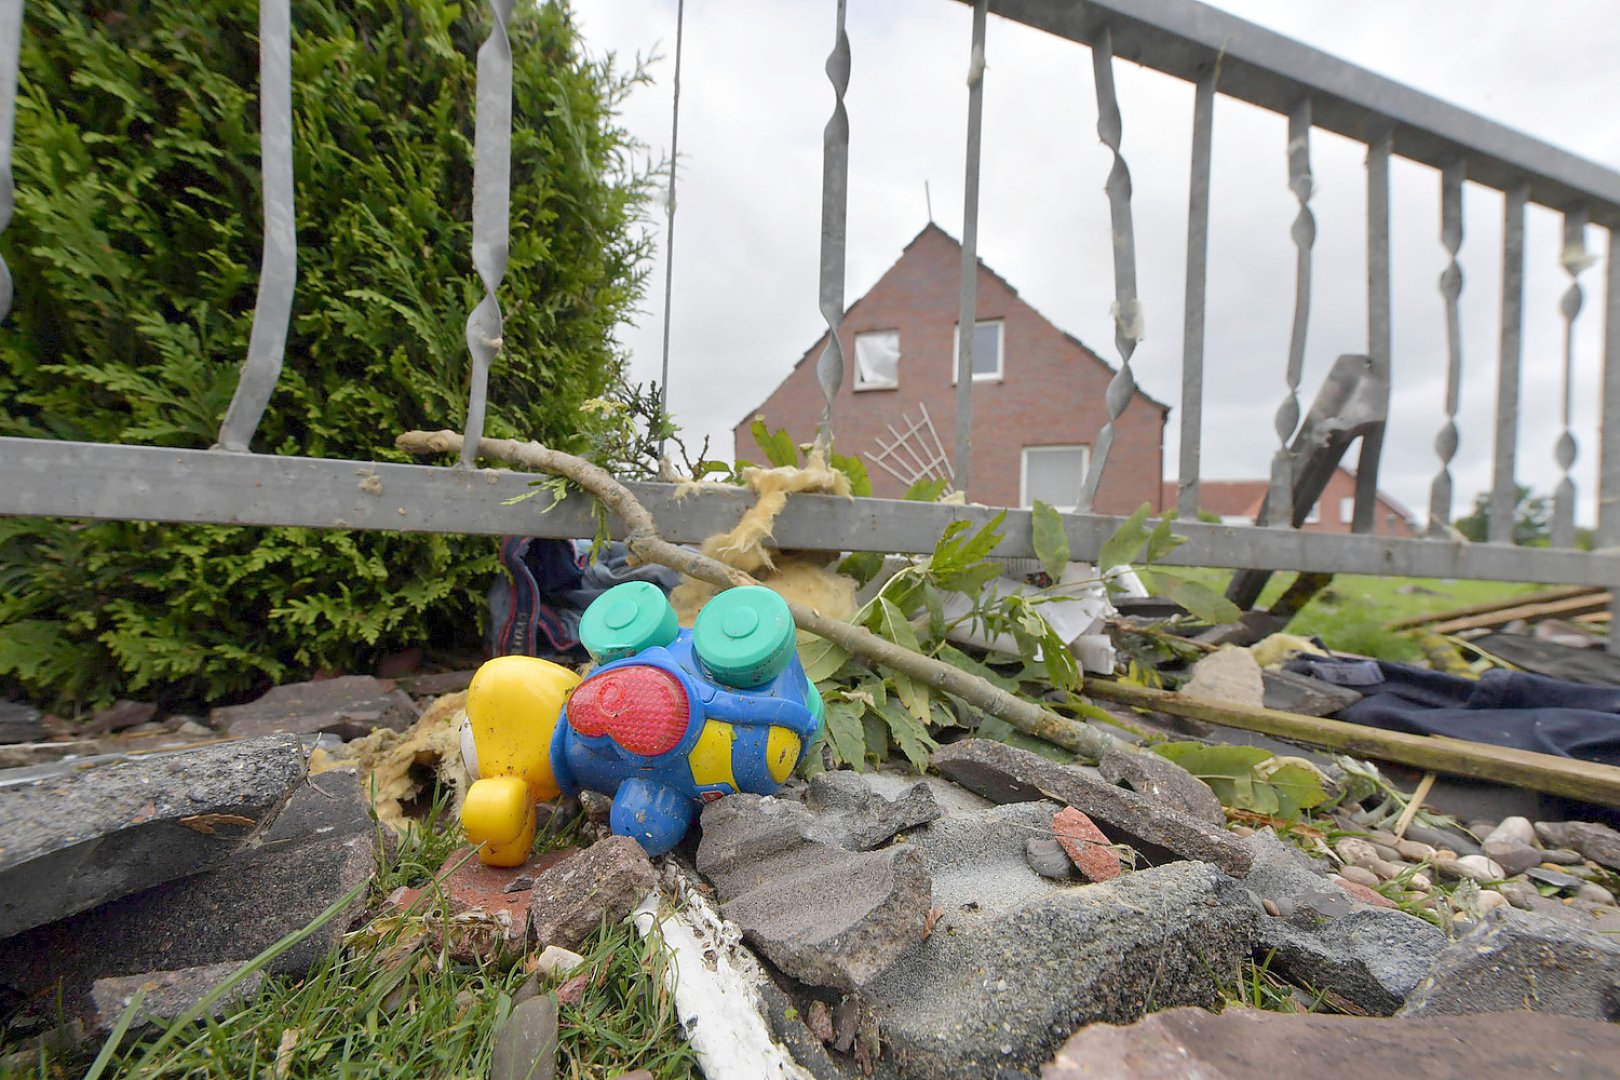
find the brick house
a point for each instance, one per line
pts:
(1037, 394)
(1238, 501)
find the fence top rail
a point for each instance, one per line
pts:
(1264, 68)
(48, 478)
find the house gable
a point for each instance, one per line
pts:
(1049, 392)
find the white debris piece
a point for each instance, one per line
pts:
(715, 981)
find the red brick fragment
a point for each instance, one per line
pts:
(1364, 894)
(1090, 851)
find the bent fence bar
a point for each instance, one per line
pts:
(1217, 53)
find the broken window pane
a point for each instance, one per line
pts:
(877, 360)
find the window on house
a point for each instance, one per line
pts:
(1054, 475)
(1314, 514)
(986, 352)
(877, 360)
(1347, 509)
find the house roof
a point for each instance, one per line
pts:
(931, 227)
(1242, 498)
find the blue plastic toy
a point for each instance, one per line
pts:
(670, 719)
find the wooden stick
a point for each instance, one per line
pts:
(1572, 605)
(1573, 779)
(1425, 785)
(1493, 605)
(646, 546)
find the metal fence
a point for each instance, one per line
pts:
(1217, 53)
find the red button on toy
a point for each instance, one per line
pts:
(643, 709)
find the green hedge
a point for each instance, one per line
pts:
(135, 248)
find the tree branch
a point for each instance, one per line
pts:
(642, 539)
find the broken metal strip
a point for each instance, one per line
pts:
(669, 216)
(1270, 70)
(1574, 259)
(1192, 334)
(968, 305)
(1451, 283)
(1378, 312)
(11, 14)
(1608, 520)
(278, 267)
(46, 478)
(1280, 500)
(1510, 354)
(834, 216)
(492, 198)
(1127, 309)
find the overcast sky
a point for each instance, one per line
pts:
(754, 100)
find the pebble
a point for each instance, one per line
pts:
(1047, 858)
(556, 960)
(1443, 838)
(1513, 856)
(1360, 875)
(1490, 899)
(1382, 836)
(1513, 828)
(1445, 853)
(1271, 908)
(1473, 867)
(1241, 830)
(1518, 893)
(1388, 871)
(1387, 853)
(1414, 851)
(1550, 876)
(1355, 851)
(1420, 883)
(1562, 857)
(1594, 893)
(1364, 894)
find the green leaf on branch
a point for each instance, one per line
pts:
(1051, 540)
(778, 445)
(846, 733)
(1248, 778)
(1121, 548)
(910, 734)
(926, 490)
(822, 659)
(1203, 602)
(860, 484)
(1162, 541)
(863, 566)
(993, 727)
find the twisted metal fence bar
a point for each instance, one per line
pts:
(968, 307)
(669, 214)
(11, 13)
(834, 215)
(1127, 308)
(1280, 502)
(1510, 352)
(1451, 283)
(492, 199)
(278, 269)
(1365, 519)
(1574, 259)
(1192, 333)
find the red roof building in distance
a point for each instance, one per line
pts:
(1037, 393)
(1236, 502)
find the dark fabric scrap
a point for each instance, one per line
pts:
(1504, 708)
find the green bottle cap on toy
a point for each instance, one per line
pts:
(744, 636)
(629, 617)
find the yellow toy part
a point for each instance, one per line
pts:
(513, 705)
(499, 814)
(710, 758)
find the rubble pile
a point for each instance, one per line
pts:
(1010, 916)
